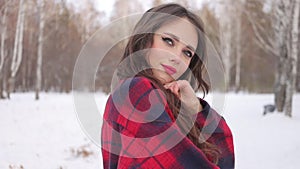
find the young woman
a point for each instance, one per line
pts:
(153, 118)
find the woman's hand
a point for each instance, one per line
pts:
(184, 91)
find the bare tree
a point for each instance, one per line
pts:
(238, 41)
(280, 46)
(19, 39)
(124, 9)
(2, 49)
(89, 19)
(18, 47)
(231, 27)
(292, 58)
(226, 38)
(40, 48)
(282, 16)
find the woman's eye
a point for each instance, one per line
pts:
(169, 41)
(188, 53)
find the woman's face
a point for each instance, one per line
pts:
(173, 47)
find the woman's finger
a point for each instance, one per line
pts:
(176, 90)
(174, 87)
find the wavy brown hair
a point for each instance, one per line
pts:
(142, 39)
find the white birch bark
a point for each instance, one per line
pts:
(226, 40)
(40, 49)
(238, 46)
(2, 49)
(282, 22)
(3, 37)
(280, 47)
(292, 71)
(18, 46)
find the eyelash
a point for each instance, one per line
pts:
(170, 42)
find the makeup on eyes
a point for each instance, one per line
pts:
(170, 41)
(178, 40)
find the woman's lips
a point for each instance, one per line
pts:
(169, 69)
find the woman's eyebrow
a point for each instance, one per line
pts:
(178, 40)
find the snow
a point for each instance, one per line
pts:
(269, 141)
(46, 133)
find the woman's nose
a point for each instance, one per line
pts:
(176, 55)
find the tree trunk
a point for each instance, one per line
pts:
(227, 55)
(280, 80)
(292, 71)
(282, 21)
(40, 50)
(238, 48)
(1, 87)
(18, 47)
(226, 40)
(2, 50)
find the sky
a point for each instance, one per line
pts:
(107, 5)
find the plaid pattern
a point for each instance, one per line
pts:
(132, 137)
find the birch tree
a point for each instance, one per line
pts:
(273, 44)
(40, 48)
(122, 9)
(2, 48)
(238, 29)
(282, 20)
(89, 19)
(226, 38)
(292, 58)
(231, 41)
(18, 47)
(283, 47)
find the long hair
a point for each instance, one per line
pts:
(142, 39)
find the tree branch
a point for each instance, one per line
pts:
(258, 38)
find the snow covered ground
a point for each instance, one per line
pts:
(46, 133)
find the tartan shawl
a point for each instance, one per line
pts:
(139, 131)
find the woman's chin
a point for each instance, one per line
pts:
(163, 77)
(166, 78)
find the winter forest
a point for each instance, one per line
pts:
(258, 42)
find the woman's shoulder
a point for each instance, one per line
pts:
(138, 96)
(137, 104)
(210, 120)
(136, 88)
(137, 83)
